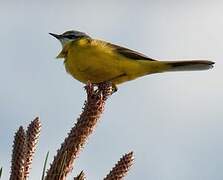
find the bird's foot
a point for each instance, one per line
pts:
(114, 88)
(98, 86)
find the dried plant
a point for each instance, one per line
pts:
(0, 172)
(44, 166)
(81, 176)
(24, 146)
(32, 135)
(121, 168)
(78, 135)
(18, 155)
(25, 142)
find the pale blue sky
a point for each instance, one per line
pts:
(173, 122)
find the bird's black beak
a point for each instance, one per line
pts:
(56, 36)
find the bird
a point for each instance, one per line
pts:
(98, 61)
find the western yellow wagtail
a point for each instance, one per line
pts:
(97, 61)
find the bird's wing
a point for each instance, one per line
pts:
(128, 53)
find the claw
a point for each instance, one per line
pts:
(114, 88)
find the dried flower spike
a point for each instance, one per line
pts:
(78, 135)
(32, 135)
(18, 155)
(121, 168)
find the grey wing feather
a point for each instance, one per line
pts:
(130, 53)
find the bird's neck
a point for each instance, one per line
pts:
(63, 53)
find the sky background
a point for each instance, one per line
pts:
(173, 122)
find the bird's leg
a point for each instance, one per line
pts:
(114, 88)
(96, 87)
(102, 84)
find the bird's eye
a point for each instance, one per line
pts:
(70, 36)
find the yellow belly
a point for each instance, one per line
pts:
(99, 64)
(89, 65)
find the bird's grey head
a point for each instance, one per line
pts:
(69, 36)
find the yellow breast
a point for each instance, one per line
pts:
(91, 60)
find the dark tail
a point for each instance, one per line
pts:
(189, 65)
